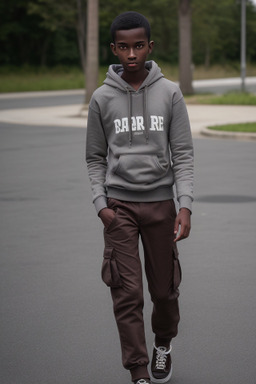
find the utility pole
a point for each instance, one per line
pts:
(243, 44)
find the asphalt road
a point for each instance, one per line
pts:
(220, 86)
(41, 99)
(57, 325)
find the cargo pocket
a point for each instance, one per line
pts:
(177, 274)
(109, 272)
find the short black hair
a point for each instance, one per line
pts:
(129, 20)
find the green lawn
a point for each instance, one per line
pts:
(33, 79)
(25, 79)
(242, 127)
(230, 98)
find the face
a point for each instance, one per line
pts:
(132, 48)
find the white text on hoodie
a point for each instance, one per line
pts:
(122, 125)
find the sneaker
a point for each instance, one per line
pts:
(142, 381)
(161, 365)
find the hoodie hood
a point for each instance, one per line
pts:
(115, 71)
(115, 80)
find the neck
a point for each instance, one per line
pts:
(135, 79)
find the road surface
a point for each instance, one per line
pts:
(57, 325)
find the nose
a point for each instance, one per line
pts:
(131, 55)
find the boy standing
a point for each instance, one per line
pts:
(138, 146)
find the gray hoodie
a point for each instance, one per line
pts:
(139, 143)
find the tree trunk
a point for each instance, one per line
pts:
(43, 53)
(207, 57)
(92, 47)
(185, 64)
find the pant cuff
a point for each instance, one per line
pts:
(163, 341)
(140, 372)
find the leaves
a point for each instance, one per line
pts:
(44, 31)
(54, 14)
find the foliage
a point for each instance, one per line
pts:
(44, 32)
(216, 31)
(31, 33)
(54, 14)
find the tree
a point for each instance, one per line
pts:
(216, 31)
(92, 48)
(185, 63)
(58, 17)
(81, 37)
(205, 30)
(50, 33)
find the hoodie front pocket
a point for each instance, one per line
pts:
(141, 169)
(109, 272)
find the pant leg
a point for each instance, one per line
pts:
(157, 233)
(122, 237)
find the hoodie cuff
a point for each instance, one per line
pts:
(100, 203)
(185, 202)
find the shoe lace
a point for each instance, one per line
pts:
(161, 356)
(142, 381)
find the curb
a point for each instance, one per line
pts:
(228, 135)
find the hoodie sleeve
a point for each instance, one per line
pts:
(96, 156)
(182, 154)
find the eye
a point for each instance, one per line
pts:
(139, 46)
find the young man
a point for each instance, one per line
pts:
(138, 145)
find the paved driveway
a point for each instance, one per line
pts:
(57, 325)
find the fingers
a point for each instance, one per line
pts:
(106, 215)
(182, 225)
(183, 234)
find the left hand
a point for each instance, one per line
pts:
(182, 224)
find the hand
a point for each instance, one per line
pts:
(182, 223)
(107, 215)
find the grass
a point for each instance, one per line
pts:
(229, 98)
(28, 78)
(242, 127)
(200, 72)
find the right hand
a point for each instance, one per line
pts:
(107, 215)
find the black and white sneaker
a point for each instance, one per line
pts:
(161, 365)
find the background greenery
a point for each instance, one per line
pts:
(40, 49)
(243, 127)
(44, 32)
(32, 78)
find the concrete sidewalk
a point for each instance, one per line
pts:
(201, 117)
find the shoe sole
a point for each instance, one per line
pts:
(160, 381)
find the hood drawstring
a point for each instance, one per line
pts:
(145, 113)
(129, 95)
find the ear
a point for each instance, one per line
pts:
(113, 48)
(150, 46)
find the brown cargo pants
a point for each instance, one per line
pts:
(122, 271)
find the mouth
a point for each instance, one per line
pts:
(131, 65)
